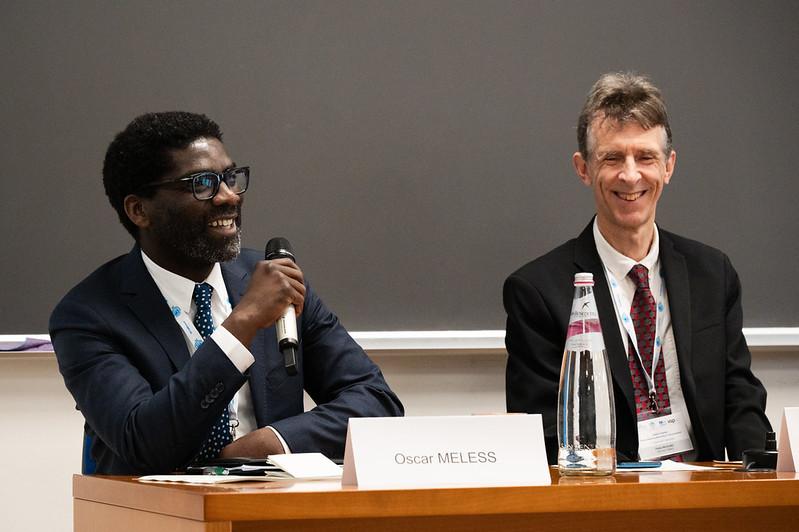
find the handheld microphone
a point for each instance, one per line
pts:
(286, 325)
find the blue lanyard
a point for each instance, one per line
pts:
(186, 324)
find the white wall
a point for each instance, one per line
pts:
(40, 445)
(457, 384)
(40, 442)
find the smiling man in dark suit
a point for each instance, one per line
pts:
(687, 363)
(170, 351)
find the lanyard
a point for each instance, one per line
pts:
(627, 323)
(186, 324)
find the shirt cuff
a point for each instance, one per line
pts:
(285, 445)
(239, 355)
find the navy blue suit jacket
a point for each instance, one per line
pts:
(725, 401)
(149, 405)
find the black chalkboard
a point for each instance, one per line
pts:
(414, 152)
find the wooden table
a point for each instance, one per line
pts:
(706, 501)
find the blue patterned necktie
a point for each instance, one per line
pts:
(220, 432)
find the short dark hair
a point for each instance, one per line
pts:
(622, 97)
(140, 154)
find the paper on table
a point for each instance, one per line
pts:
(667, 465)
(728, 464)
(296, 466)
(306, 465)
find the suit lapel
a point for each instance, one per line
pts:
(678, 288)
(236, 278)
(141, 294)
(587, 259)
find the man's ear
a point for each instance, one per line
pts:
(581, 167)
(136, 211)
(671, 160)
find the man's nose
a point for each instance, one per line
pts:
(225, 195)
(629, 170)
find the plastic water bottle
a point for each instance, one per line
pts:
(586, 415)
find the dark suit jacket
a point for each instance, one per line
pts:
(725, 401)
(149, 405)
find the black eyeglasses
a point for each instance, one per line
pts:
(205, 185)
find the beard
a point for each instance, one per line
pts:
(190, 238)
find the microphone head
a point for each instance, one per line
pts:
(279, 248)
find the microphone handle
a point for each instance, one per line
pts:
(286, 329)
(286, 325)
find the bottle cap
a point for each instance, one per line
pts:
(583, 279)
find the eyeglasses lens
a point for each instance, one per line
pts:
(204, 186)
(237, 180)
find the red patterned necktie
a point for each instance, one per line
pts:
(644, 314)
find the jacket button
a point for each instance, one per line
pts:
(204, 404)
(220, 387)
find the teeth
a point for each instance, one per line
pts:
(227, 222)
(629, 197)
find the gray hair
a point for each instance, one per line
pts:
(623, 97)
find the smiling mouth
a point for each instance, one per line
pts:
(629, 196)
(223, 223)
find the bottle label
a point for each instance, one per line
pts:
(584, 330)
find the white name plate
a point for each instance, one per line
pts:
(788, 448)
(497, 450)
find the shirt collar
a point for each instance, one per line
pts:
(178, 290)
(619, 264)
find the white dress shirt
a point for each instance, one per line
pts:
(618, 266)
(178, 291)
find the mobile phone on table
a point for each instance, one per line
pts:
(635, 465)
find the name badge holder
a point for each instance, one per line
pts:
(661, 432)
